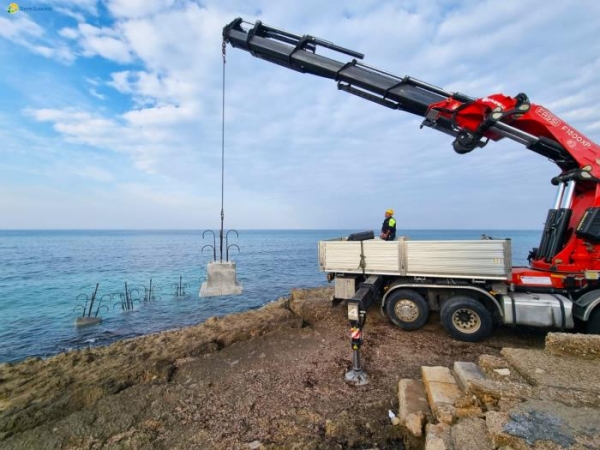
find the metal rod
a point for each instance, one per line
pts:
(356, 360)
(92, 302)
(514, 133)
(126, 297)
(568, 198)
(559, 195)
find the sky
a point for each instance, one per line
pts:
(111, 114)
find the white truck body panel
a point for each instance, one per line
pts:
(481, 259)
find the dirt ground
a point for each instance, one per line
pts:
(270, 378)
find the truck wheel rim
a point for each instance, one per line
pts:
(406, 311)
(466, 320)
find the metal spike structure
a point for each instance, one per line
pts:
(221, 275)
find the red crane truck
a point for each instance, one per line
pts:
(472, 284)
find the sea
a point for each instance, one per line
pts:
(147, 281)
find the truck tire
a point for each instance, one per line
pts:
(407, 309)
(466, 319)
(593, 324)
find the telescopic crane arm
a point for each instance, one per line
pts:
(471, 121)
(570, 240)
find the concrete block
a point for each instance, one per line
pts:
(411, 399)
(437, 437)
(86, 321)
(437, 374)
(465, 372)
(414, 423)
(442, 392)
(471, 434)
(221, 280)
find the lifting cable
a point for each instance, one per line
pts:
(221, 276)
(224, 47)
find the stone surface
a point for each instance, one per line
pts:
(465, 372)
(414, 423)
(489, 363)
(440, 385)
(502, 372)
(490, 392)
(466, 401)
(442, 392)
(545, 425)
(471, 411)
(566, 372)
(437, 374)
(445, 413)
(495, 422)
(569, 397)
(471, 434)
(412, 399)
(585, 346)
(438, 437)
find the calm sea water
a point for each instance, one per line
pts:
(47, 276)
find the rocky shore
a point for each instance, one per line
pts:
(264, 379)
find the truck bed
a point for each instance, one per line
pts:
(485, 259)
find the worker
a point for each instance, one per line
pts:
(388, 229)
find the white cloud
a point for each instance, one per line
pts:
(104, 42)
(23, 31)
(96, 94)
(74, 6)
(298, 151)
(137, 8)
(69, 33)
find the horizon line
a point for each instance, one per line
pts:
(263, 229)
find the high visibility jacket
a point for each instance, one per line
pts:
(389, 224)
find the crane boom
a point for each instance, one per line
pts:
(570, 242)
(475, 124)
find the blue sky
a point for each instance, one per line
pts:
(111, 114)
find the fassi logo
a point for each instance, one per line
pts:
(548, 116)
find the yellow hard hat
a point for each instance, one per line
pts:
(390, 211)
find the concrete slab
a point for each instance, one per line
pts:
(411, 398)
(220, 280)
(437, 374)
(545, 425)
(440, 385)
(466, 372)
(540, 368)
(437, 437)
(471, 434)
(585, 346)
(442, 392)
(490, 391)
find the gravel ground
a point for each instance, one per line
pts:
(271, 378)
